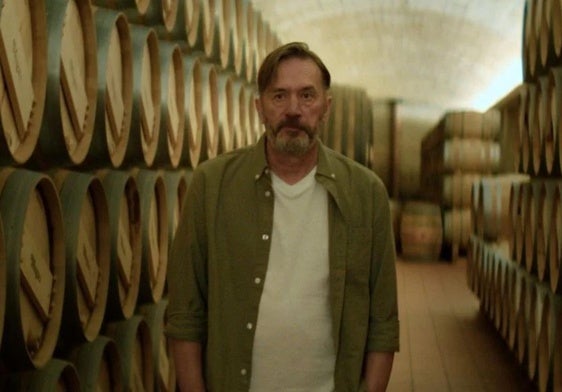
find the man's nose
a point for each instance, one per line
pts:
(293, 106)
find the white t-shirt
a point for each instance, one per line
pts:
(293, 344)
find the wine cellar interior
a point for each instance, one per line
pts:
(107, 107)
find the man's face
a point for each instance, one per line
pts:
(293, 106)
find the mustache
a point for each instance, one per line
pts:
(293, 123)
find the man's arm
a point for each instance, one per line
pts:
(377, 370)
(188, 362)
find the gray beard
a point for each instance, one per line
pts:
(295, 146)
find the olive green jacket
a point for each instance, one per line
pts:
(219, 261)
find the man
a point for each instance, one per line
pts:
(282, 274)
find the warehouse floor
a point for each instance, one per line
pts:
(447, 343)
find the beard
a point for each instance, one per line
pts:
(295, 143)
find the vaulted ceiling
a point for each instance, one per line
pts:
(450, 54)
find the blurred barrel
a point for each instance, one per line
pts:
(240, 108)
(546, 337)
(35, 267)
(457, 227)
(193, 111)
(457, 189)
(176, 187)
(134, 345)
(87, 240)
(98, 364)
(123, 203)
(164, 369)
(172, 106)
(470, 155)
(115, 90)
(145, 118)
(23, 78)
(555, 75)
(210, 110)
(3, 278)
(421, 230)
(68, 121)
(225, 82)
(56, 375)
(154, 234)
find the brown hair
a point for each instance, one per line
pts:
(299, 50)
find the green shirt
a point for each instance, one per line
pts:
(219, 261)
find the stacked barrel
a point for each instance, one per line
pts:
(460, 149)
(349, 127)
(514, 258)
(106, 107)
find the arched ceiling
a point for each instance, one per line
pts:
(450, 54)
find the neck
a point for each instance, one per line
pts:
(291, 168)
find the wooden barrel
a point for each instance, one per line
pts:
(543, 227)
(123, 203)
(150, 12)
(35, 266)
(115, 90)
(238, 35)
(251, 24)
(56, 375)
(530, 223)
(470, 155)
(527, 91)
(176, 183)
(498, 296)
(531, 62)
(522, 327)
(533, 128)
(238, 106)
(253, 121)
(23, 78)
(134, 345)
(225, 34)
(140, 6)
(457, 189)
(164, 369)
(86, 223)
(557, 353)
(463, 124)
(68, 121)
(172, 106)
(193, 111)
(517, 205)
(145, 116)
(421, 230)
(554, 241)
(225, 82)
(546, 337)
(210, 110)
(457, 227)
(3, 278)
(98, 364)
(154, 234)
(194, 23)
(555, 75)
(494, 214)
(209, 21)
(543, 138)
(511, 305)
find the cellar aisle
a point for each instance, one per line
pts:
(447, 343)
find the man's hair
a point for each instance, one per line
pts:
(299, 50)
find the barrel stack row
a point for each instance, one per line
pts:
(106, 106)
(514, 258)
(460, 149)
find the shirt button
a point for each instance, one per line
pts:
(265, 237)
(257, 176)
(249, 326)
(333, 175)
(267, 193)
(243, 372)
(257, 280)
